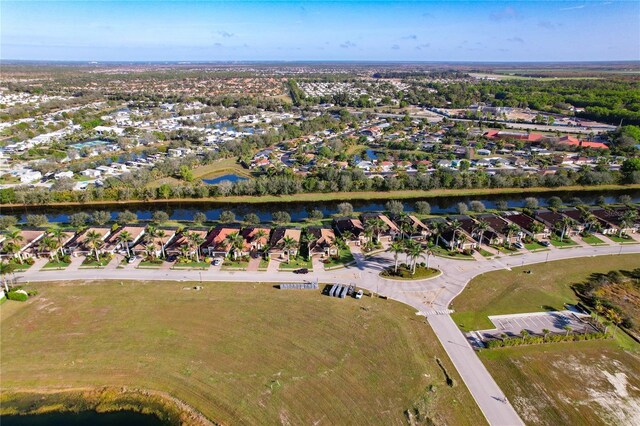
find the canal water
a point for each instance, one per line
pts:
(229, 177)
(184, 210)
(84, 418)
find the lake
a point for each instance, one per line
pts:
(184, 210)
(122, 418)
(229, 177)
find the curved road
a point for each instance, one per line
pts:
(431, 298)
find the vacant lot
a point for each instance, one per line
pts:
(585, 383)
(548, 287)
(239, 353)
(581, 383)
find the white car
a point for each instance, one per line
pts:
(131, 259)
(216, 262)
(359, 294)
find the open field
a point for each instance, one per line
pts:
(242, 353)
(219, 168)
(370, 195)
(546, 288)
(580, 383)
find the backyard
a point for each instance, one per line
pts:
(223, 351)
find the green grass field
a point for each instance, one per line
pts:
(352, 361)
(547, 287)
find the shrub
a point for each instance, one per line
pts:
(17, 295)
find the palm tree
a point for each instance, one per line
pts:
(429, 253)
(59, 236)
(124, 238)
(396, 248)
(567, 328)
(545, 332)
(455, 227)
(377, 226)
(437, 229)
(289, 244)
(524, 334)
(94, 241)
(6, 269)
(235, 243)
(627, 219)
(195, 240)
(161, 235)
(481, 227)
(13, 239)
(51, 245)
(512, 229)
(564, 225)
(415, 252)
(259, 236)
(537, 228)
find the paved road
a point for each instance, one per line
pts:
(431, 298)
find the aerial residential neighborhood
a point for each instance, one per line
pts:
(320, 213)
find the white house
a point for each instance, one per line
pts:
(66, 174)
(92, 173)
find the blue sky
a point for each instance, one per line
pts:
(321, 30)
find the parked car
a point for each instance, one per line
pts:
(131, 259)
(359, 294)
(519, 245)
(301, 271)
(217, 261)
(544, 243)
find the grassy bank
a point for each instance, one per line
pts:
(237, 353)
(169, 410)
(348, 196)
(546, 288)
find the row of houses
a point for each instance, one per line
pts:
(134, 240)
(456, 232)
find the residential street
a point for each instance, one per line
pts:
(432, 298)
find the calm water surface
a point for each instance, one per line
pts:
(84, 418)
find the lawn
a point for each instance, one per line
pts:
(344, 257)
(593, 240)
(581, 383)
(229, 263)
(547, 287)
(226, 352)
(506, 250)
(557, 242)
(623, 239)
(192, 265)
(264, 264)
(534, 246)
(439, 251)
(150, 264)
(52, 264)
(404, 273)
(296, 263)
(90, 262)
(485, 253)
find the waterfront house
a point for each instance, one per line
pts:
(322, 241)
(277, 243)
(350, 229)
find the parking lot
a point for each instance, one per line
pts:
(536, 322)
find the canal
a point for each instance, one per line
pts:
(184, 210)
